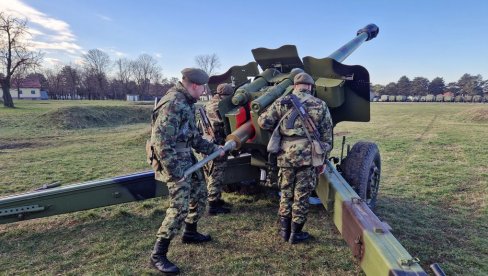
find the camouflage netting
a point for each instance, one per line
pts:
(78, 117)
(479, 114)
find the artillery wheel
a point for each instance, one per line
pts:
(362, 169)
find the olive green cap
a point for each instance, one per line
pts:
(303, 78)
(225, 89)
(195, 75)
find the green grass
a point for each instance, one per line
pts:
(433, 193)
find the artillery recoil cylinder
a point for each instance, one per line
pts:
(242, 95)
(241, 134)
(274, 93)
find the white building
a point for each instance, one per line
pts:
(29, 89)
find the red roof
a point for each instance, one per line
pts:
(28, 83)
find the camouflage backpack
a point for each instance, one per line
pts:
(151, 156)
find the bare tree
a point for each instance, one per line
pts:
(208, 63)
(124, 71)
(17, 79)
(146, 69)
(70, 80)
(54, 83)
(14, 52)
(97, 63)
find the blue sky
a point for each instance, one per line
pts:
(416, 38)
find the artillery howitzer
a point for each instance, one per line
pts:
(347, 188)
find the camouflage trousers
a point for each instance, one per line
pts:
(188, 201)
(215, 178)
(296, 185)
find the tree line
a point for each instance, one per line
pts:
(97, 77)
(420, 86)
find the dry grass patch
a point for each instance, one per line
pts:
(79, 117)
(478, 114)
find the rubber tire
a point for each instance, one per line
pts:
(359, 167)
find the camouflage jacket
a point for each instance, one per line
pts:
(175, 123)
(212, 109)
(297, 154)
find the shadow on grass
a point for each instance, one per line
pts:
(118, 240)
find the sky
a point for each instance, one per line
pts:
(429, 38)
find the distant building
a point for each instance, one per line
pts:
(28, 89)
(206, 96)
(132, 98)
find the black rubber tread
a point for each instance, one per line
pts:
(356, 168)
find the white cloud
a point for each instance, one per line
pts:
(68, 47)
(46, 32)
(104, 17)
(114, 52)
(158, 55)
(53, 62)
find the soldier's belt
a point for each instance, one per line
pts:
(182, 147)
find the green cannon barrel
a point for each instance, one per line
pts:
(274, 93)
(243, 93)
(365, 34)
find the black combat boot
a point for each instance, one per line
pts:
(297, 235)
(190, 235)
(217, 207)
(285, 225)
(159, 259)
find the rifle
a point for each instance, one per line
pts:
(207, 126)
(307, 121)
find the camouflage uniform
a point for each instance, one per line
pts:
(216, 168)
(174, 130)
(297, 177)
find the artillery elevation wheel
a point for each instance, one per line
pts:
(362, 169)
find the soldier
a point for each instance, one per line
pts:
(215, 169)
(173, 135)
(297, 157)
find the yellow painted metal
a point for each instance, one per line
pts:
(383, 253)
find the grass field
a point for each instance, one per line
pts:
(433, 194)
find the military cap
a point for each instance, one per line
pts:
(195, 75)
(225, 89)
(303, 78)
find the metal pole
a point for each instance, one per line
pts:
(229, 145)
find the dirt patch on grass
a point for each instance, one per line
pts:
(342, 133)
(15, 145)
(479, 114)
(79, 117)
